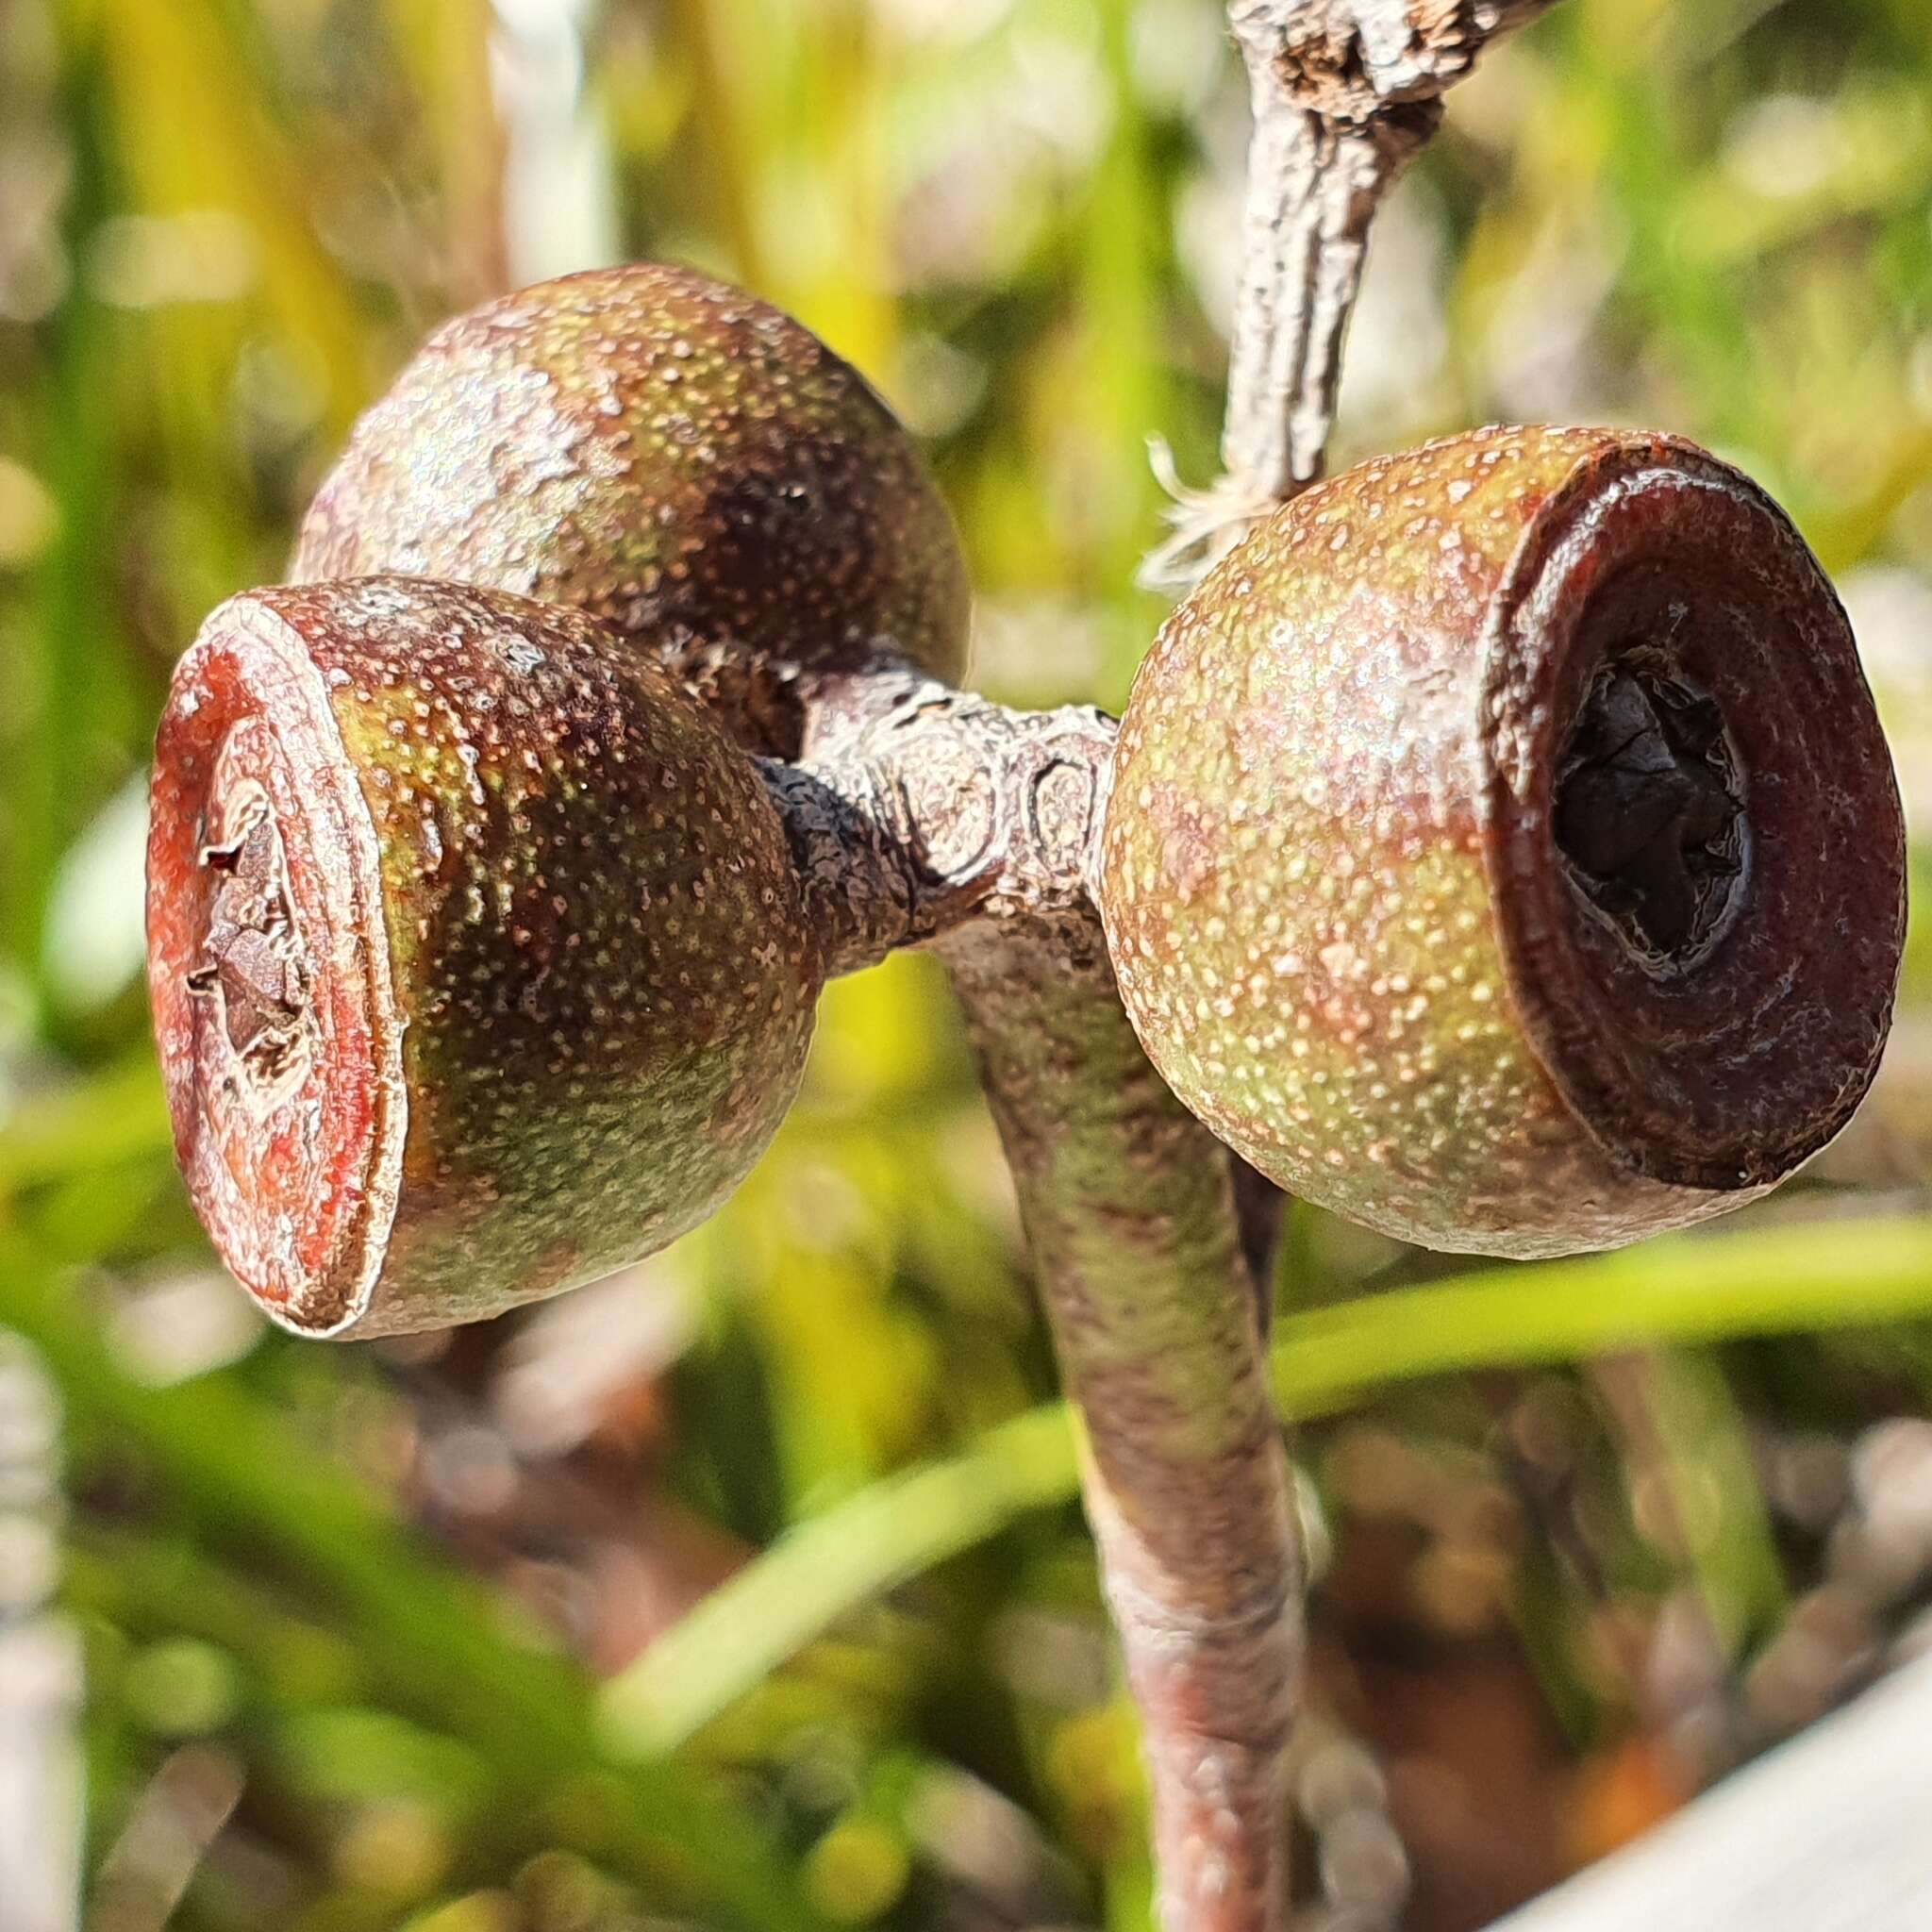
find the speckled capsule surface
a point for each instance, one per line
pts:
(675, 456)
(475, 951)
(1502, 848)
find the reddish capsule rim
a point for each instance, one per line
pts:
(291, 1142)
(1727, 1069)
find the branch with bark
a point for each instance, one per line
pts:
(1345, 94)
(925, 815)
(1134, 1214)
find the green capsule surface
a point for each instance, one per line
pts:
(1502, 849)
(674, 454)
(476, 955)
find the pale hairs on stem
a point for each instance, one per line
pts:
(1345, 94)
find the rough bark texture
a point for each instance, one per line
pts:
(1351, 60)
(925, 815)
(1346, 93)
(918, 806)
(1315, 184)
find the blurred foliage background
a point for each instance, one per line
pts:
(392, 1635)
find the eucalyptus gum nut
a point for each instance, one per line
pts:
(674, 454)
(1502, 849)
(476, 954)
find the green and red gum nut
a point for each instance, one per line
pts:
(689, 481)
(1503, 850)
(674, 454)
(479, 961)
(1337, 925)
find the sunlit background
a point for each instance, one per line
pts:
(345, 1618)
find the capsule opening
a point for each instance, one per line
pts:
(1651, 811)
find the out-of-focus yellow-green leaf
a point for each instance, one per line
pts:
(193, 138)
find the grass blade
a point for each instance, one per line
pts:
(248, 1484)
(1776, 1279)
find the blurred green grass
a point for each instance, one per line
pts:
(222, 223)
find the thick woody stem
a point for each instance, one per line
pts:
(917, 807)
(926, 816)
(1345, 95)
(1313, 187)
(921, 815)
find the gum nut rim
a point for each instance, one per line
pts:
(1725, 1069)
(293, 1157)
